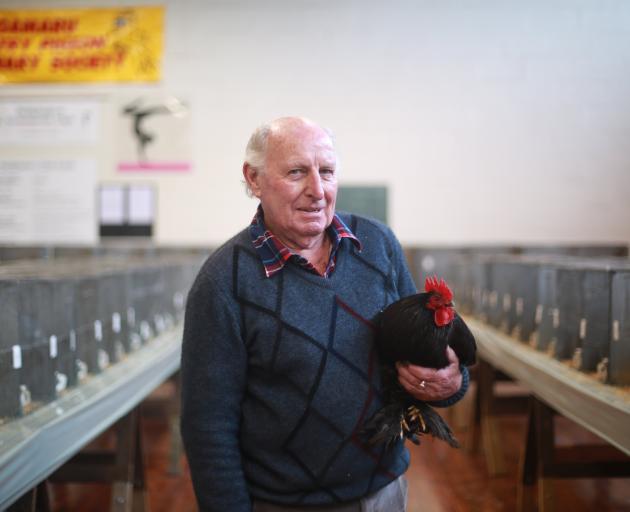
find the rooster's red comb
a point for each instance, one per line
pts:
(431, 284)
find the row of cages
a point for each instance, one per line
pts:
(65, 319)
(70, 313)
(573, 305)
(133, 249)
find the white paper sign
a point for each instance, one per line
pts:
(48, 201)
(112, 204)
(26, 122)
(141, 198)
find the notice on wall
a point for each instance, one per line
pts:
(48, 202)
(48, 123)
(112, 206)
(81, 45)
(153, 134)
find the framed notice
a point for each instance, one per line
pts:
(36, 122)
(48, 202)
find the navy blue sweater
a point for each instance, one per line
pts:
(280, 373)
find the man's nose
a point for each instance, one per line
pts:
(314, 185)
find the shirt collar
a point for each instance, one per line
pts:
(274, 254)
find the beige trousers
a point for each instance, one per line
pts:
(391, 498)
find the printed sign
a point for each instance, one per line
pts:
(48, 123)
(48, 202)
(81, 45)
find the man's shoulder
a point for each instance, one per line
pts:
(226, 249)
(379, 245)
(364, 225)
(219, 264)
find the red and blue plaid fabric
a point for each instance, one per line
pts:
(274, 254)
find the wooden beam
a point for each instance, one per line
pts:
(600, 408)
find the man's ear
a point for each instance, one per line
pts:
(252, 177)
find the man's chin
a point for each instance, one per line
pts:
(312, 229)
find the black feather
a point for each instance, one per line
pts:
(407, 332)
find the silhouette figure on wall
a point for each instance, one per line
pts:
(139, 113)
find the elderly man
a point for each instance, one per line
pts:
(278, 364)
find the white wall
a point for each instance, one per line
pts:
(491, 121)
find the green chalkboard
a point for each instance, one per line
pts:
(370, 201)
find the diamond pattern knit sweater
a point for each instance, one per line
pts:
(280, 373)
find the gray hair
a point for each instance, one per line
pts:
(256, 151)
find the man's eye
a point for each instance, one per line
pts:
(295, 172)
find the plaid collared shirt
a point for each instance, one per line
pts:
(274, 254)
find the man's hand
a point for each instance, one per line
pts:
(429, 384)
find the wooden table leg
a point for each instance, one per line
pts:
(128, 490)
(472, 440)
(527, 466)
(122, 467)
(139, 485)
(124, 463)
(26, 503)
(35, 500)
(43, 498)
(490, 435)
(545, 437)
(176, 450)
(536, 460)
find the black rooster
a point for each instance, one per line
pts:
(417, 329)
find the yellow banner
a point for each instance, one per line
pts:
(81, 45)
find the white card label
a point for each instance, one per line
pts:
(116, 322)
(583, 328)
(616, 330)
(17, 357)
(98, 330)
(53, 346)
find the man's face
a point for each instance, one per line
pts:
(298, 187)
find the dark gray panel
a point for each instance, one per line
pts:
(546, 308)
(370, 201)
(595, 319)
(619, 363)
